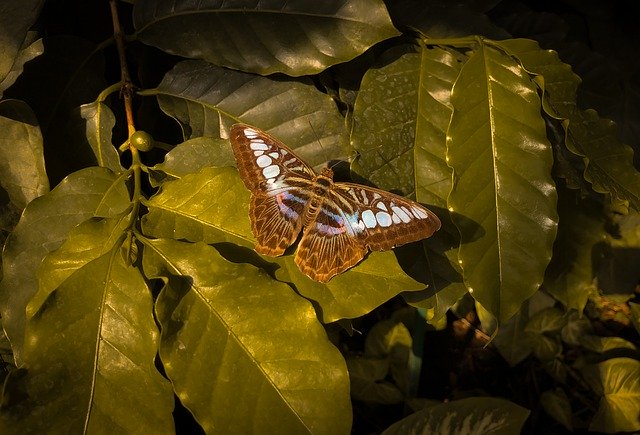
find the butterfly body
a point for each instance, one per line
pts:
(340, 222)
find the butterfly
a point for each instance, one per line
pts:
(340, 222)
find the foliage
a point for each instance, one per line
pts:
(130, 289)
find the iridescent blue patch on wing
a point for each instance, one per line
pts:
(330, 230)
(356, 226)
(284, 208)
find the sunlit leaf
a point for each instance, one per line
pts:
(477, 415)
(86, 242)
(355, 292)
(229, 331)
(503, 189)
(211, 205)
(249, 36)
(44, 225)
(608, 161)
(94, 131)
(90, 351)
(618, 381)
(206, 100)
(400, 118)
(22, 172)
(191, 156)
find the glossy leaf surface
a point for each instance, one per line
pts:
(618, 381)
(608, 161)
(44, 225)
(503, 190)
(401, 117)
(250, 36)
(90, 351)
(229, 331)
(486, 415)
(207, 100)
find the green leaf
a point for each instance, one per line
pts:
(511, 341)
(503, 190)
(206, 100)
(556, 404)
(90, 351)
(355, 292)
(550, 320)
(30, 49)
(367, 376)
(211, 205)
(570, 275)
(249, 36)
(577, 327)
(608, 161)
(400, 118)
(476, 415)
(618, 381)
(392, 340)
(15, 21)
(230, 331)
(96, 120)
(22, 171)
(191, 156)
(605, 344)
(44, 225)
(86, 242)
(74, 74)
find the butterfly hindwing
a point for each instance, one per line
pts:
(327, 247)
(275, 222)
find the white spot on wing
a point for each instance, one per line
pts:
(274, 155)
(383, 218)
(404, 217)
(419, 213)
(381, 206)
(395, 218)
(369, 219)
(264, 161)
(271, 171)
(258, 146)
(250, 133)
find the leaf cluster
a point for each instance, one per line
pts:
(131, 289)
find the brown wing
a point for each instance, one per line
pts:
(381, 220)
(279, 183)
(275, 222)
(264, 163)
(355, 218)
(327, 247)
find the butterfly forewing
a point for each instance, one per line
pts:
(278, 181)
(383, 220)
(266, 164)
(342, 221)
